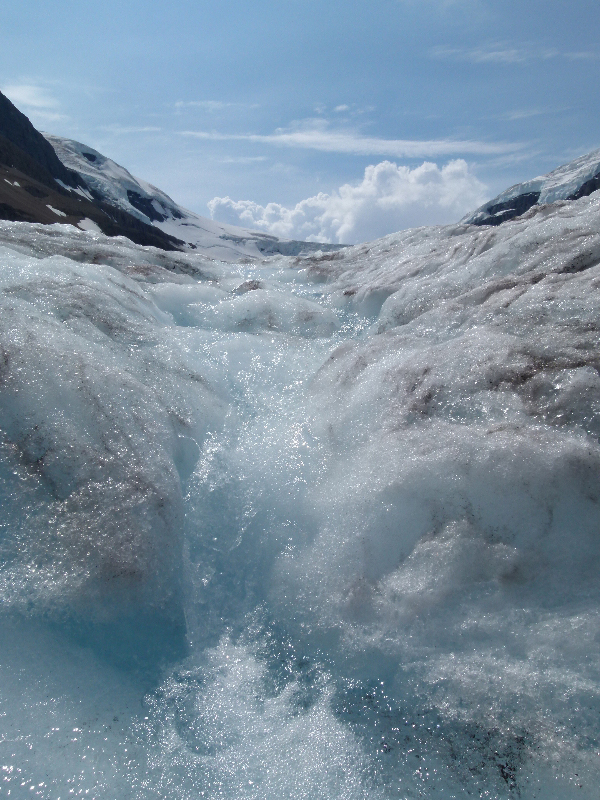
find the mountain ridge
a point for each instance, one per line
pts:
(17, 129)
(35, 186)
(571, 181)
(48, 179)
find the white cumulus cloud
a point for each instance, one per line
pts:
(389, 198)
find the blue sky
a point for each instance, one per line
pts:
(313, 118)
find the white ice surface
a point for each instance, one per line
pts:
(368, 481)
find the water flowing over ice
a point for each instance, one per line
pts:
(322, 528)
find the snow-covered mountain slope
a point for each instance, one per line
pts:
(35, 186)
(324, 528)
(113, 183)
(577, 179)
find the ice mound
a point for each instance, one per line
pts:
(100, 414)
(347, 506)
(251, 308)
(460, 511)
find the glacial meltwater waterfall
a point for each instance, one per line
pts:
(322, 528)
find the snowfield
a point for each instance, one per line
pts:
(323, 527)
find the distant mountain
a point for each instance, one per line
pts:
(118, 187)
(48, 179)
(23, 147)
(35, 186)
(577, 179)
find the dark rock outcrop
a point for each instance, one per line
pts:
(17, 128)
(13, 156)
(145, 205)
(572, 181)
(497, 213)
(586, 188)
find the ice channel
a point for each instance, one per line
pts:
(314, 528)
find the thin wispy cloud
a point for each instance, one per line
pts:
(507, 53)
(34, 100)
(40, 116)
(523, 113)
(352, 110)
(30, 95)
(496, 53)
(347, 109)
(212, 105)
(244, 160)
(325, 139)
(527, 113)
(585, 55)
(512, 159)
(124, 130)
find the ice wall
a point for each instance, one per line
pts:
(314, 528)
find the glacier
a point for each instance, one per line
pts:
(323, 527)
(114, 185)
(578, 178)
